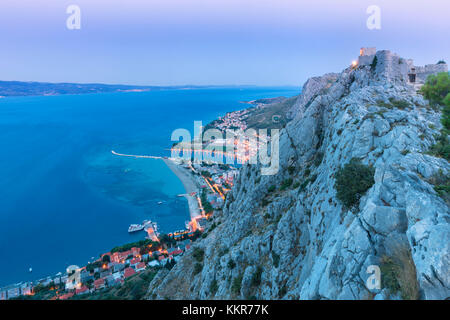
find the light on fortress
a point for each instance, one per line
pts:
(354, 63)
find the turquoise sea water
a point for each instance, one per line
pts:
(64, 198)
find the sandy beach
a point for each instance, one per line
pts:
(189, 184)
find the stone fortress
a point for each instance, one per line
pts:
(414, 75)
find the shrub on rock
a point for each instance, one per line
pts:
(352, 182)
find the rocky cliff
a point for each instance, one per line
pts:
(287, 236)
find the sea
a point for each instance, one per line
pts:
(65, 198)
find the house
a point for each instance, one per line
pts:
(135, 251)
(134, 262)
(117, 275)
(118, 267)
(64, 278)
(178, 252)
(140, 267)
(171, 250)
(82, 290)
(156, 253)
(85, 276)
(66, 296)
(13, 292)
(105, 273)
(128, 272)
(26, 290)
(99, 283)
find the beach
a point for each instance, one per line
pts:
(190, 185)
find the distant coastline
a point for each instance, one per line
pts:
(32, 88)
(23, 88)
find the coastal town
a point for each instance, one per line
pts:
(206, 184)
(206, 187)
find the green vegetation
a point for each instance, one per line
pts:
(231, 264)
(198, 254)
(134, 288)
(256, 277)
(373, 65)
(393, 103)
(271, 188)
(442, 146)
(437, 91)
(205, 203)
(213, 287)
(441, 183)
(282, 292)
(398, 274)
(198, 267)
(205, 173)
(270, 116)
(236, 285)
(399, 104)
(436, 88)
(286, 184)
(91, 266)
(304, 184)
(42, 292)
(291, 170)
(137, 244)
(352, 181)
(318, 159)
(275, 259)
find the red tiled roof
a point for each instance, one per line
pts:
(135, 261)
(99, 282)
(141, 265)
(66, 296)
(128, 272)
(81, 290)
(176, 252)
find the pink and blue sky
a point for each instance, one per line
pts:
(210, 42)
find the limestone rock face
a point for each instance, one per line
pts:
(301, 238)
(312, 87)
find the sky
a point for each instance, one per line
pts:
(210, 42)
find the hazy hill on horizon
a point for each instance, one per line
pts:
(34, 88)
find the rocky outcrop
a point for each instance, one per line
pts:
(311, 89)
(299, 242)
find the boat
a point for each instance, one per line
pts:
(135, 227)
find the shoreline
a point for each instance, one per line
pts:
(189, 184)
